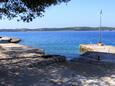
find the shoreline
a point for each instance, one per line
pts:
(28, 66)
(51, 70)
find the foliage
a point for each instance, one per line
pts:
(25, 10)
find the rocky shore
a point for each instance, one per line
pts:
(58, 74)
(21, 65)
(11, 53)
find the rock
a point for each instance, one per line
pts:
(15, 40)
(75, 84)
(51, 59)
(100, 44)
(9, 40)
(65, 80)
(56, 81)
(108, 80)
(24, 55)
(56, 58)
(113, 76)
(5, 39)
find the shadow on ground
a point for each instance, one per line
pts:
(57, 74)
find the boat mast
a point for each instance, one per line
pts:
(100, 34)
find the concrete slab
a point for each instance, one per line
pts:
(97, 48)
(98, 52)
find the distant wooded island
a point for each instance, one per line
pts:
(60, 29)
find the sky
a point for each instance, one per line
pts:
(75, 13)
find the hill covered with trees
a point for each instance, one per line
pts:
(60, 29)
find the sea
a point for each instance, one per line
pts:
(64, 43)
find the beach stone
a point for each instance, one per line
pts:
(55, 81)
(108, 80)
(60, 81)
(113, 76)
(65, 80)
(75, 84)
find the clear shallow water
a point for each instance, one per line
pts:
(63, 43)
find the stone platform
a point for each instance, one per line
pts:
(97, 48)
(11, 53)
(95, 52)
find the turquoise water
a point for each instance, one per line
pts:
(64, 42)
